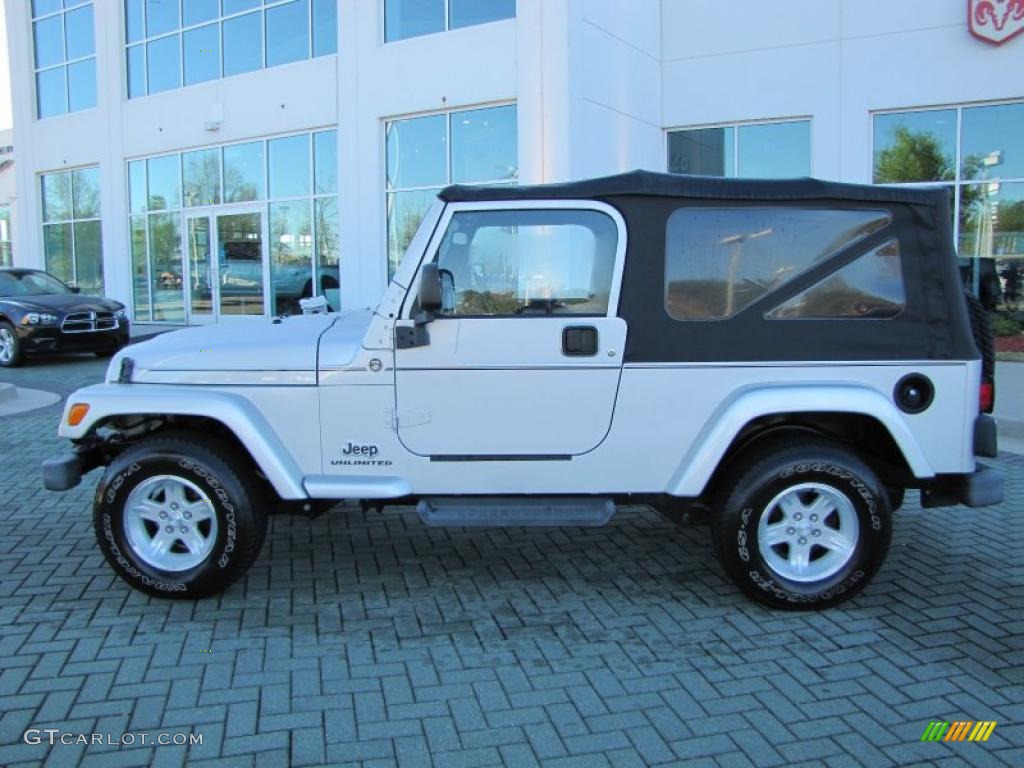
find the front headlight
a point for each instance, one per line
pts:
(39, 318)
(121, 314)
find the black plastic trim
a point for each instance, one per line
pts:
(986, 436)
(503, 457)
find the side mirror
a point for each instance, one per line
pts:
(430, 298)
(74, 288)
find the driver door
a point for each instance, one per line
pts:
(523, 361)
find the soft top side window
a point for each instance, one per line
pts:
(527, 263)
(870, 286)
(719, 261)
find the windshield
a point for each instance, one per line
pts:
(29, 284)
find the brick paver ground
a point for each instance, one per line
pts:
(370, 639)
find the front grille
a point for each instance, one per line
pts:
(87, 322)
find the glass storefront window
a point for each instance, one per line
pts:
(164, 182)
(289, 166)
(244, 172)
(325, 162)
(424, 154)
(291, 255)
(166, 273)
(412, 18)
(201, 177)
(140, 270)
(256, 224)
(773, 150)
(483, 145)
(988, 191)
(72, 241)
(325, 226)
(210, 39)
(64, 46)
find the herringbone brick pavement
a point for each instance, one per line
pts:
(368, 639)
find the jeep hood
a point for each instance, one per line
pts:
(279, 351)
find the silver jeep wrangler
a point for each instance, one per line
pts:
(788, 357)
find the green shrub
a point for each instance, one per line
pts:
(1004, 325)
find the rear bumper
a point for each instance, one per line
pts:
(982, 488)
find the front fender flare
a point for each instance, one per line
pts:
(747, 404)
(232, 410)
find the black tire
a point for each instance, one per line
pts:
(17, 356)
(214, 468)
(759, 482)
(984, 337)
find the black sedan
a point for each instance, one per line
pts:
(39, 313)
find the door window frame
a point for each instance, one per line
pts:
(450, 209)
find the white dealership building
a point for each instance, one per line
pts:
(207, 159)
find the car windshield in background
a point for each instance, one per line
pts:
(29, 284)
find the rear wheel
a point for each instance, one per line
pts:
(176, 518)
(803, 528)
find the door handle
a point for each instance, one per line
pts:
(579, 341)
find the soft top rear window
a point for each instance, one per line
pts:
(720, 260)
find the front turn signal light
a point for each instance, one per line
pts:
(77, 414)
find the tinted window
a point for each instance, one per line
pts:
(915, 146)
(287, 33)
(529, 262)
(760, 151)
(774, 150)
(202, 54)
(718, 261)
(243, 172)
(289, 166)
(871, 286)
(703, 151)
(410, 18)
(465, 13)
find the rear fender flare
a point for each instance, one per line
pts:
(745, 405)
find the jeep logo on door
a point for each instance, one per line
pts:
(353, 449)
(995, 21)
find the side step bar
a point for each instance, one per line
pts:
(511, 512)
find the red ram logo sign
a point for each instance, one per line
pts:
(995, 21)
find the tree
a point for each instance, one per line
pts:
(913, 156)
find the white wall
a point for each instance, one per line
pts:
(835, 61)
(616, 86)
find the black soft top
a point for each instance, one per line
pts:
(649, 183)
(932, 326)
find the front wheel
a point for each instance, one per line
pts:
(803, 528)
(10, 346)
(176, 518)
